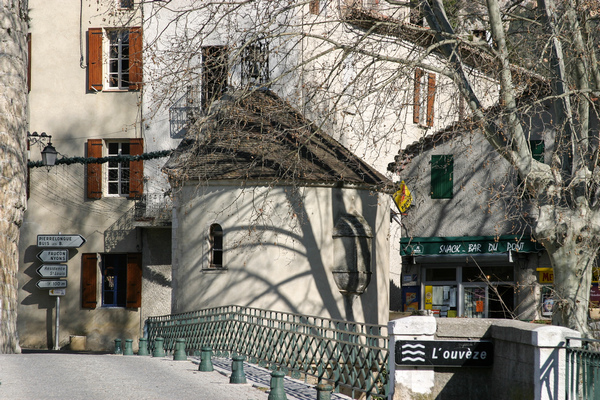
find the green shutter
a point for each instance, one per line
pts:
(442, 176)
(537, 150)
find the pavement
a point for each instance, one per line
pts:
(59, 375)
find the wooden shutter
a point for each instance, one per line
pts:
(417, 95)
(94, 171)
(134, 280)
(95, 59)
(313, 7)
(430, 98)
(28, 62)
(136, 169)
(135, 58)
(442, 176)
(89, 264)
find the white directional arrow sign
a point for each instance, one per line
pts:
(48, 284)
(52, 271)
(63, 241)
(54, 256)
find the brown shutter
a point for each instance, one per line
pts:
(94, 171)
(95, 59)
(417, 95)
(313, 7)
(89, 263)
(28, 62)
(134, 280)
(136, 169)
(135, 58)
(430, 98)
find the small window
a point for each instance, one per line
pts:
(125, 4)
(215, 68)
(118, 171)
(424, 98)
(216, 246)
(114, 280)
(255, 64)
(442, 176)
(416, 13)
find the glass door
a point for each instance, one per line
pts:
(475, 302)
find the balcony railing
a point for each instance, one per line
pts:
(155, 208)
(184, 112)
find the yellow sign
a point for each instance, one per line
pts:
(428, 297)
(546, 275)
(402, 197)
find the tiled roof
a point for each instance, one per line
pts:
(256, 136)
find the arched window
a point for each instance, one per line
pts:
(216, 246)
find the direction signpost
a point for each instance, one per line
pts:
(52, 271)
(53, 256)
(51, 284)
(60, 241)
(57, 253)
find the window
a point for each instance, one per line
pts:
(121, 276)
(114, 59)
(416, 13)
(537, 150)
(424, 98)
(118, 171)
(123, 178)
(125, 4)
(442, 171)
(255, 64)
(215, 68)
(215, 238)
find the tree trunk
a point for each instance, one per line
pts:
(572, 246)
(13, 126)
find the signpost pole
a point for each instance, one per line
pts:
(56, 347)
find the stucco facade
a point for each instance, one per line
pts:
(277, 248)
(70, 103)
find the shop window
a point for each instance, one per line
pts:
(442, 176)
(216, 246)
(123, 178)
(488, 274)
(121, 284)
(114, 59)
(215, 68)
(424, 98)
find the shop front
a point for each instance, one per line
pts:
(472, 277)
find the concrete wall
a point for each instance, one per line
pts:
(528, 360)
(278, 249)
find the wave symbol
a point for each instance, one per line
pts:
(417, 353)
(413, 346)
(413, 359)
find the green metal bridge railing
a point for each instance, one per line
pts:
(583, 369)
(345, 354)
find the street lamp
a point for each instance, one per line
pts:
(49, 153)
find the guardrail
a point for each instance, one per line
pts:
(583, 369)
(346, 354)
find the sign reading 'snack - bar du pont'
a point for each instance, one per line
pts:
(64, 241)
(444, 353)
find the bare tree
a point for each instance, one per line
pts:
(13, 125)
(349, 65)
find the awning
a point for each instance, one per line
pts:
(417, 246)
